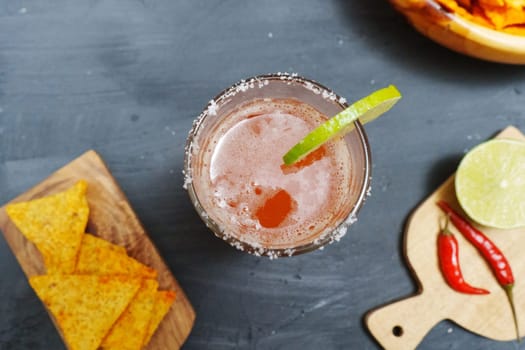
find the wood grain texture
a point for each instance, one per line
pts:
(489, 316)
(112, 218)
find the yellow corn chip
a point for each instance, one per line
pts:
(502, 3)
(451, 5)
(456, 7)
(478, 16)
(516, 30)
(503, 17)
(130, 330)
(465, 3)
(492, 3)
(515, 3)
(163, 301)
(55, 224)
(90, 241)
(98, 257)
(85, 307)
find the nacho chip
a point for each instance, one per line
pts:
(465, 3)
(99, 257)
(516, 30)
(55, 224)
(503, 17)
(515, 3)
(457, 7)
(90, 241)
(163, 301)
(85, 307)
(493, 3)
(129, 331)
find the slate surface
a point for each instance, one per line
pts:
(126, 78)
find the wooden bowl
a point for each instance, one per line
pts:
(460, 34)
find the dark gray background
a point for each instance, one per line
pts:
(127, 78)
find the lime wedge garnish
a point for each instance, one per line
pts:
(490, 183)
(366, 110)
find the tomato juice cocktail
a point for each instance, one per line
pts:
(237, 180)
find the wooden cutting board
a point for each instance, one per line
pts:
(112, 218)
(403, 324)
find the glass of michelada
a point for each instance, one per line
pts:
(243, 190)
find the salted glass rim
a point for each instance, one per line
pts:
(260, 81)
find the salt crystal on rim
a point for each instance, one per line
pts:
(212, 108)
(352, 218)
(339, 233)
(242, 87)
(272, 255)
(289, 251)
(185, 183)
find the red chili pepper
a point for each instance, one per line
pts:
(492, 254)
(448, 253)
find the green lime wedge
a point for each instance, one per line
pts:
(366, 110)
(490, 183)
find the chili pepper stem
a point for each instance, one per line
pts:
(508, 290)
(445, 230)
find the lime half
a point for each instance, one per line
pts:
(366, 109)
(490, 183)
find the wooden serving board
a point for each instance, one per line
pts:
(403, 324)
(112, 218)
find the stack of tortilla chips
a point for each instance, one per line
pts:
(99, 296)
(503, 15)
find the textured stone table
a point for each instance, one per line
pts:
(126, 78)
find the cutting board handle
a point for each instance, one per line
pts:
(403, 324)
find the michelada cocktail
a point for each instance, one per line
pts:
(238, 182)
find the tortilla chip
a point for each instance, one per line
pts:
(465, 3)
(163, 301)
(503, 17)
(55, 224)
(130, 330)
(90, 241)
(493, 3)
(515, 3)
(450, 5)
(457, 8)
(99, 257)
(85, 307)
(516, 30)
